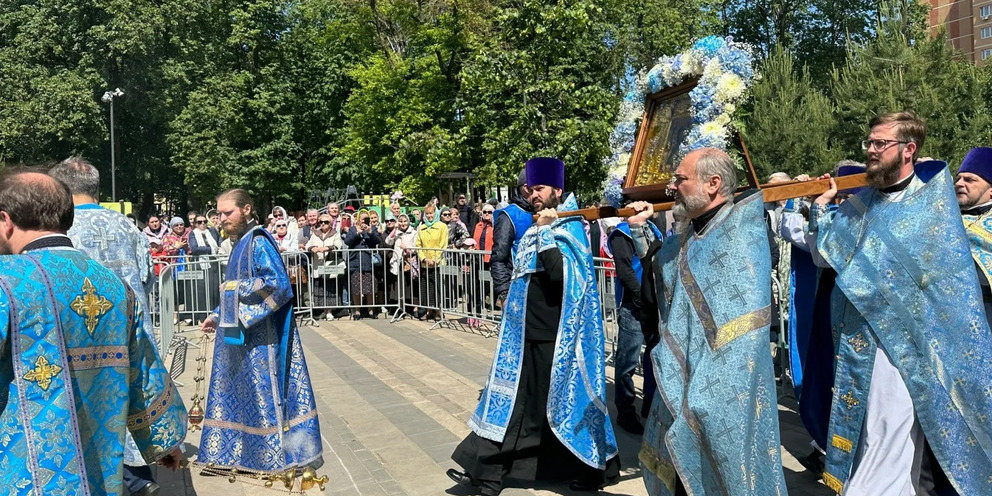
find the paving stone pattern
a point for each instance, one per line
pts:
(394, 400)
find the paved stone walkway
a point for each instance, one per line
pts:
(393, 402)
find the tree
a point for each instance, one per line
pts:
(790, 125)
(547, 82)
(404, 116)
(927, 76)
(663, 27)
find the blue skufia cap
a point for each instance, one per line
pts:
(978, 161)
(547, 171)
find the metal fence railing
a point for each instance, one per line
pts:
(453, 288)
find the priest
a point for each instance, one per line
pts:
(974, 191)
(543, 413)
(261, 414)
(713, 426)
(79, 370)
(913, 367)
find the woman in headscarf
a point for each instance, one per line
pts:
(432, 239)
(279, 213)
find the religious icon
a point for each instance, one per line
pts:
(666, 123)
(669, 123)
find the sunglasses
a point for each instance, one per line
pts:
(201, 222)
(325, 222)
(446, 214)
(487, 212)
(277, 225)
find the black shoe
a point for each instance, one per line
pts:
(630, 423)
(814, 462)
(150, 489)
(462, 479)
(587, 484)
(356, 316)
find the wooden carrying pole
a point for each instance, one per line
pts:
(772, 192)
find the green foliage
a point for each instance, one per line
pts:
(791, 124)
(928, 77)
(665, 27)
(404, 126)
(282, 97)
(547, 84)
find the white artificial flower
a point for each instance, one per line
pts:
(691, 64)
(623, 160)
(713, 129)
(669, 75)
(729, 88)
(712, 71)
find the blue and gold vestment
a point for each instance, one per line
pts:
(261, 413)
(906, 281)
(714, 421)
(979, 230)
(577, 411)
(77, 371)
(110, 239)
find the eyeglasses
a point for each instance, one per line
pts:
(446, 214)
(201, 222)
(277, 225)
(880, 144)
(487, 212)
(325, 222)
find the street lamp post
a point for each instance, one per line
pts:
(109, 97)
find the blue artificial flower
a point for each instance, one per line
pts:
(709, 46)
(614, 191)
(655, 80)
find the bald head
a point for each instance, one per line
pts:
(36, 202)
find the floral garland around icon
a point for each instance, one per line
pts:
(725, 69)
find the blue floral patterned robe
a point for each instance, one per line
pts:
(906, 281)
(77, 371)
(577, 411)
(714, 420)
(110, 239)
(261, 414)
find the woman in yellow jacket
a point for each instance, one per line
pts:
(432, 238)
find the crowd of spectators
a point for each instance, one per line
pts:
(345, 261)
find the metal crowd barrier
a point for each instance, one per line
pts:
(453, 287)
(353, 281)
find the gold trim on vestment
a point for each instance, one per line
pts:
(742, 325)
(155, 409)
(841, 443)
(259, 431)
(662, 469)
(98, 357)
(833, 483)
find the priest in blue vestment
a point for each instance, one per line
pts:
(543, 412)
(112, 240)
(261, 413)
(913, 375)
(77, 371)
(974, 192)
(713, 426)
